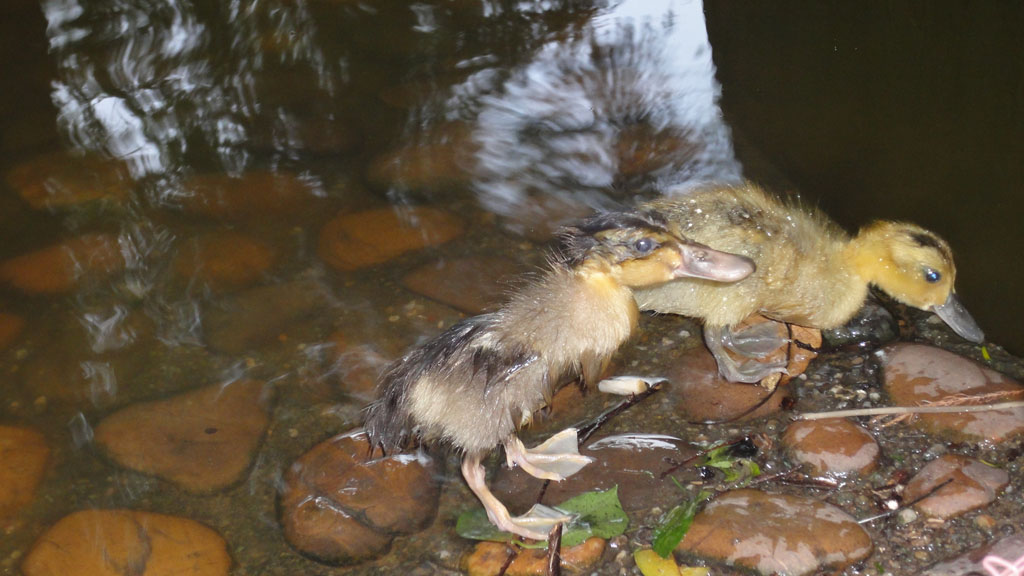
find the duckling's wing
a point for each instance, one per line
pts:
(499, 366)
(388, 420)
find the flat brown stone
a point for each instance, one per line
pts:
(253, 194)
(341, 503)
(471, 285)
(203, 440)
(224, 260)
(972, 485)
(60, 268)
(1001, 555)
(776, 534)
(702, 395)
(23, 458)
(59, 180)
(916, 374)
(121, 542)
(355, 240)
(834, 448)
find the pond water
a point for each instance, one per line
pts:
(293, 192)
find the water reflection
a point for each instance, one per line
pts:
(213, 157)
(626, 106)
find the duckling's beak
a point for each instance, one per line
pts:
(956, 316)
(699, 261)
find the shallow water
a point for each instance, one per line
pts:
(213, 144)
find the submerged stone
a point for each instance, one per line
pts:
(471, 285)
(258, 316)
(342, 502)
(120, 542)
(356, 240)
(917, 374)
(253, 194)
(436, 159)
(834, 448)
(62, 267)
(972, 485)
(776, 534)
(224, 260)
(60, 180)
(23, 458)
(10, 328)
(203, 440)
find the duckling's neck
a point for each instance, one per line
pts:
(572, 315)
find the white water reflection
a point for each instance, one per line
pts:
(629, 104)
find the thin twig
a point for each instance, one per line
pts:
(555, 550)
(890, 410)
(588, 429)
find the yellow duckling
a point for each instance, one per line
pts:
(809, 271)
(474, 385)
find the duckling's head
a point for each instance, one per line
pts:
(915, 267)
(637, 249)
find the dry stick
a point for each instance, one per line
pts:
(890, 410)
(907, 505)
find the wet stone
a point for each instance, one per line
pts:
(341, 504)
(1001, 555)
(972, 485)
(356, 240)
(60, 180)
(872, 324)
(488, 558)
(11, 326)
(23, 458)
(776, 534)
(834, 448)
(224, 260)
(62, 267)
(633, 462)
(702, 395)
(258, 316)
(119, 542)
(202, 441)
(916, 374)
(471, 285)
(253, 194)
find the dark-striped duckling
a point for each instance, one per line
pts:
(474, 385)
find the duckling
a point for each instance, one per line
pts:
(809, 271)
(474, 385)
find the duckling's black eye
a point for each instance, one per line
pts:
(644, 245)
(932, 276)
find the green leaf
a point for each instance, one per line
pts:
(676, 524)
(598, 514)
